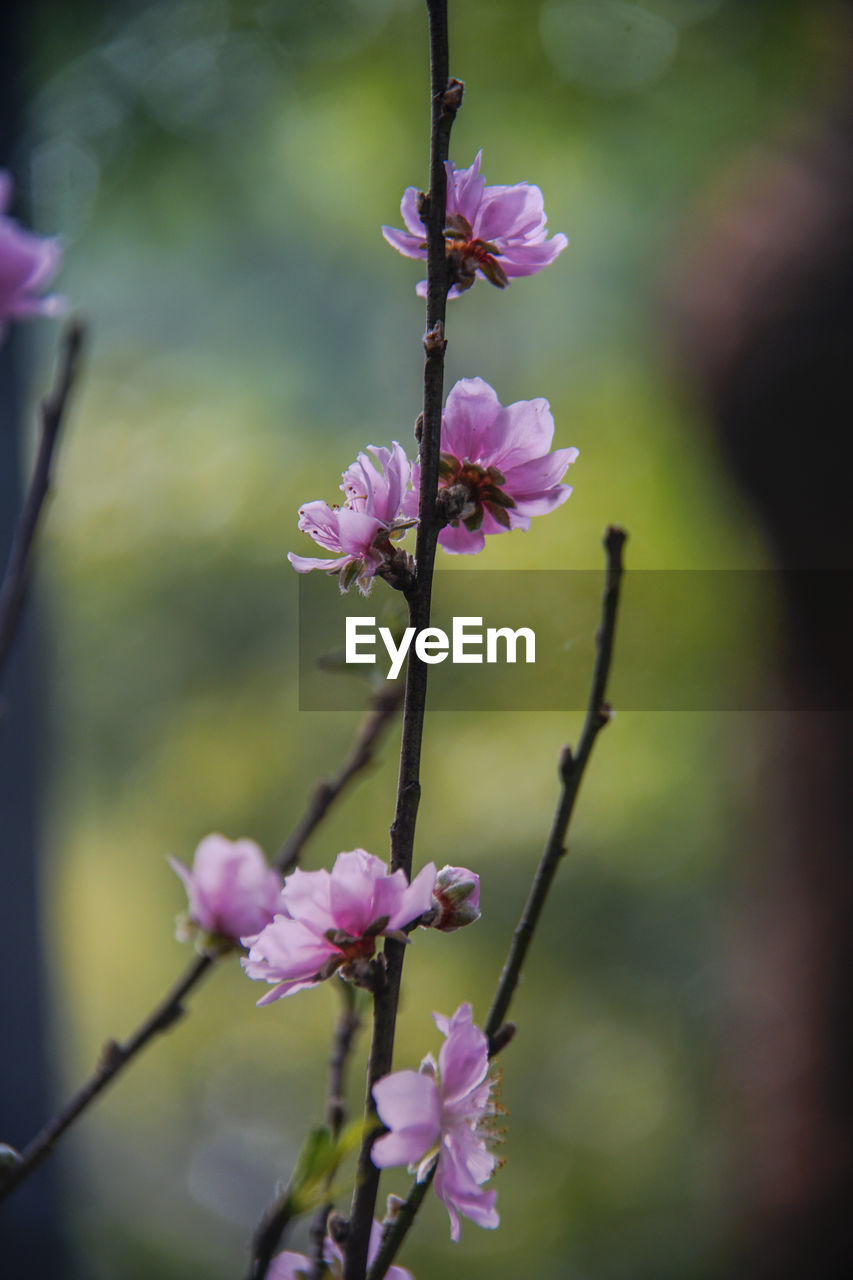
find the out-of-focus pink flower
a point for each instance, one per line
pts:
(232, 890)
(496, 232)
(439, 1114)
(456, 897)
(331, 920)
(379, 507)
(295, 1266)
(27, 263)
(496, 462)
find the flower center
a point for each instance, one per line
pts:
(478, 490)
(468, 254)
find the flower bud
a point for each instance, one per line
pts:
(456, 897)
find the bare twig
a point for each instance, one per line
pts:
(386, 704)
(52, 414)
(346, 1029)
(115, 1057)
(572, 768)
(446, 98)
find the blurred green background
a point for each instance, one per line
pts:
(220, 171)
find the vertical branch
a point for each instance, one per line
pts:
(572, 768)
(346, 1029)
(446, 98)
(52, 409)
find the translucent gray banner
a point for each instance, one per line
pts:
(697, 640)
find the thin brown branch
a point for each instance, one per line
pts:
(572, 768)
(116, 1056)
(446, 98)
(52, 413)
(386, 704)
(346, 1029)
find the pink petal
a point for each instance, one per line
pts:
(416, 898)
(539, 504)
(526, 260)
(320, 522)
(289, 1266)
(352, 886)
(283, 989)
(464, 1058)
(288, 951)
(528, 433)
(407, 1102)
(539, 474)
(410, 212)
(357, 530)
(469, 414)
(411, 246)
(458, 541)
(304, 564)
(509, 211)
(465, 189)
(307, 898)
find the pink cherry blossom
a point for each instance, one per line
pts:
(295, 1266)
(379, 506)
(495, 232)
(332, 919)
(496, 462)
(27, 262)
(438, 1114)
(456, 897)
(231, 889)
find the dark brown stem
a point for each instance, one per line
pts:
(572, 767)
(386, 704)
(116, 1057)
(52, 414)
(446, 98)
(346, 1029)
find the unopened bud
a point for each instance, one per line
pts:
(456, 895)
(393, 1205)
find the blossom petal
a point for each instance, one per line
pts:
(469, 414)
(304, 564)
(457, 541)
(287, 950)
(464, 1057)
(351, 890)
(410, 246)
(289, 1266)
(410, 212)
(407, 1102)
(307, 898)
(528, 432)
(415, 899)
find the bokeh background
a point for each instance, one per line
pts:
(219, 172)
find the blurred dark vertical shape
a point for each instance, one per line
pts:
(767, 325)
(31, 1244)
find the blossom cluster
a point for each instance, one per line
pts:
(497, 233)
(439, 1116)
(498, 468)
(319, 923)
